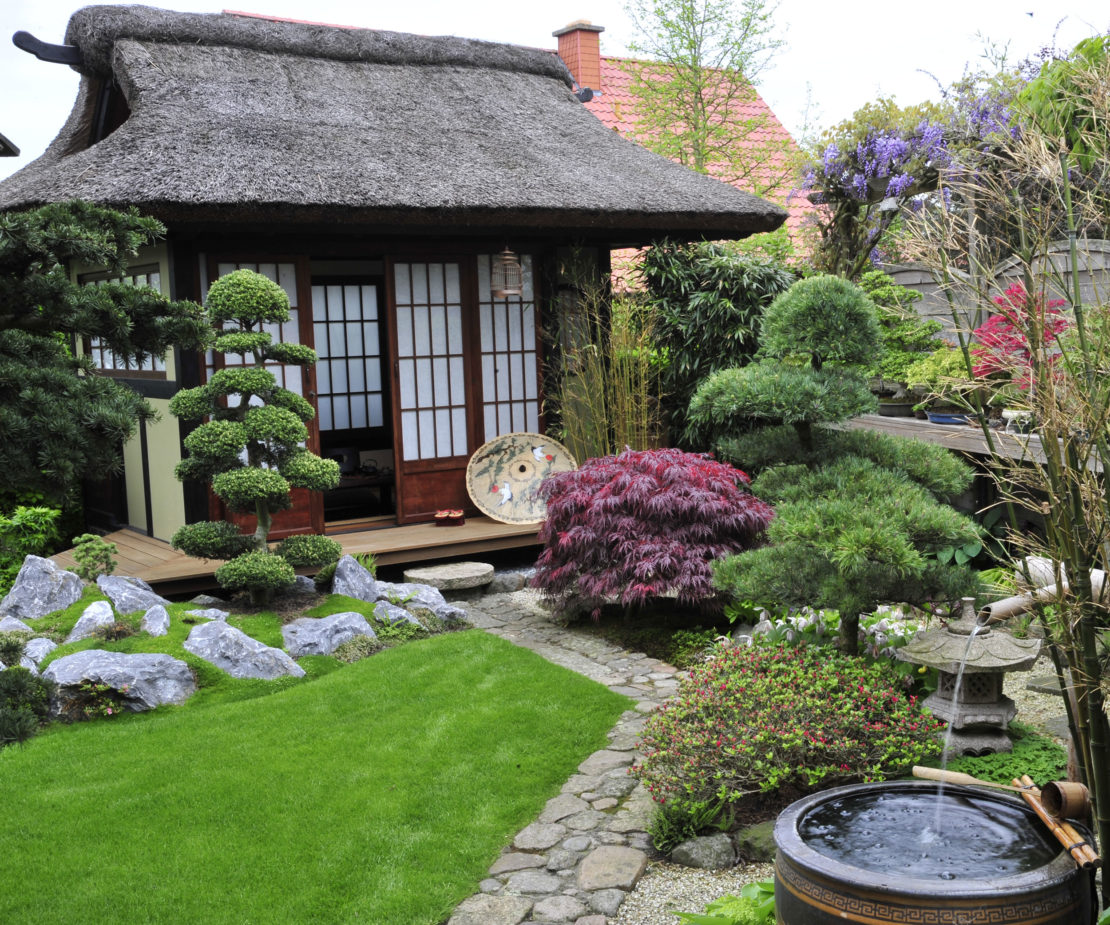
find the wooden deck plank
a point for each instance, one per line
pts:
(964, 438)
(170, 571)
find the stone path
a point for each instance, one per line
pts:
(578, 861)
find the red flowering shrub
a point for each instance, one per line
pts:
(1004, 345)
(632, 527)
(754, 720)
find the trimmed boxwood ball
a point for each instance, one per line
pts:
(242, 342)
(246, 297)
(268, 424)
(244, 380)
(309, 549)
(212, 539)
(217, 440)
(242, 489)
(191, 404)
(261, 573)
(307, 470)
(293, 354)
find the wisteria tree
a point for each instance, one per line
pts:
(866, 185)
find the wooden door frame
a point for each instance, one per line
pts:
(301, 263)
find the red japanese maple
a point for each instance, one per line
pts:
(1004, 339)
(636, 526)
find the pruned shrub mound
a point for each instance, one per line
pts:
(756, 721)
(644, 524)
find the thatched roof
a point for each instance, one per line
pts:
(240, 119)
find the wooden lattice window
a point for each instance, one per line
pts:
(510, 365)
(430, 368)
(347, 329)
(103, 357)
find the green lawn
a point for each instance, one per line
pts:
(376, 793)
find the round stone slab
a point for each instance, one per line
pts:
(454, 576)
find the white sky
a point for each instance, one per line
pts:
(843, 51)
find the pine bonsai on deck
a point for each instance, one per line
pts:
(251, 447)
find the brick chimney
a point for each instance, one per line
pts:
(580, 49)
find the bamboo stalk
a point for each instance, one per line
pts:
(1064, 833)
(956, 777)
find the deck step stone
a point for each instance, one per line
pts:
(452, 576)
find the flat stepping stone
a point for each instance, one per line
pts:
(454, 576)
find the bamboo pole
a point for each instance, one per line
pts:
(1064, 832)
(956, 777)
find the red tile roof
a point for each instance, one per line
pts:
(617, 108)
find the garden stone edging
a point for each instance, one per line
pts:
(578, 861)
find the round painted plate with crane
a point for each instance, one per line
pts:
(503, 477)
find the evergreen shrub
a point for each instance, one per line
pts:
(24, 704)
(640, 525)
(757, 720)
(307, 550)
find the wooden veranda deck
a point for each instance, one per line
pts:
(172, 572)
(964, 438)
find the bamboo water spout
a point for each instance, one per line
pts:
(1020, 603)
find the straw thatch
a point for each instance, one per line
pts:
(245, 120)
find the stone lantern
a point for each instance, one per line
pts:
(972, 660)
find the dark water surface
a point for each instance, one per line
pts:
(892, 832)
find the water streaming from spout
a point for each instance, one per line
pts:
(931, 834)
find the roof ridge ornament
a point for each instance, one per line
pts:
(44, 51)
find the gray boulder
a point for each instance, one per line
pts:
(238, 654)
(352, 580)
(12, 625)
(304, 585)
(709, 852)
(129, 594)
(156, 621)
(40, 588)
(97, 614)
(207, 600)
(322, 636)
(145, 680)
(407, 593)
(391, 614)
(37, 649)
(25, 662)
(208, 613)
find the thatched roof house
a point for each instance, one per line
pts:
(374, 175)
(200, 117)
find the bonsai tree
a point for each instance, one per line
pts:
(251, 447)
(905, 336)
(858, 517)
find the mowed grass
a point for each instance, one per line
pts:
(376, 793)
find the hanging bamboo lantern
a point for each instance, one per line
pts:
(506, 277)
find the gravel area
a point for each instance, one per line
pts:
(668, 888)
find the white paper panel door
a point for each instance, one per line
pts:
(430, 370)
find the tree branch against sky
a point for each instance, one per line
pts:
(694, 93)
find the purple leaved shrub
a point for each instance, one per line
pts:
(630, 528)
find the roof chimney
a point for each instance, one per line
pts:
(580, 49)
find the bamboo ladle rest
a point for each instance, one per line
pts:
(1082, 853)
